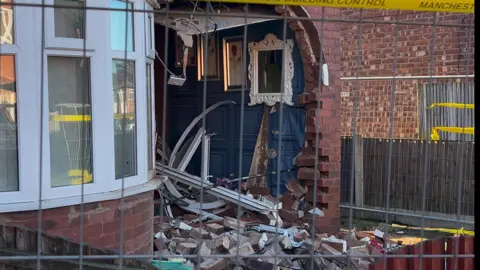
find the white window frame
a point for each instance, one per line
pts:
(138, 56)
(150, 62)
(95, 186)
(149, 19)
(93, 18)
(28, 64)
(26, 105)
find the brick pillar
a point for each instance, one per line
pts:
(326, 121)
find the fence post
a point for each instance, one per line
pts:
(359, 171)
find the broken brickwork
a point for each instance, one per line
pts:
(319, 43)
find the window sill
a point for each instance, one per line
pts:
(87, 198)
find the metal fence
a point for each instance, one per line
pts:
(451, 93)
(212, 124)
(407, 171)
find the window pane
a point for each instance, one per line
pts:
(69, 22)
(149, 117)
(123, 73)
(8, 125)
(120, 33)
(6, 23)
(70, 121)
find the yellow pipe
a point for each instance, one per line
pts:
(452, 105)
(460, 231)
(462, 130)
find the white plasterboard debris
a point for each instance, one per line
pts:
(160, 234)
(278, 218)
(184, 226)
(365, 239)
(177, 259)
(273, 110)
(325, 75)
(273, 205)
(317, 212)
(187, 39)
(176, 81)
(263, 240)
(378, 233)
(333, 239)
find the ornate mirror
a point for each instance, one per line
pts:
(265, 71)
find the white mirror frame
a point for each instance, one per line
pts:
(269, 43)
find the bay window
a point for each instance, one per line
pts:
(91, 136)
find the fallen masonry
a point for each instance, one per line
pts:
(271, 247)
(210, 225)
(247, 239)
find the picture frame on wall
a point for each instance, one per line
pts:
(212, 70)
(233, 63)
(192, 53)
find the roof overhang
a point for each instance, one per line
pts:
(181, 20)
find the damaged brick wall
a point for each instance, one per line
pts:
(327, 119)
(413, 58)
(101, 226)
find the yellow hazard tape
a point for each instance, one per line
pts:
(462, 6)
(465, 130)
(452, 105)
(460, 231)
(82, 118)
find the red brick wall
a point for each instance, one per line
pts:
(413, 58)
(101, 223)
(325, 120)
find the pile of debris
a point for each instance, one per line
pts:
(209, 218)
(276, 246)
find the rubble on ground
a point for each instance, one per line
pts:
(274, 234)
(199, 218)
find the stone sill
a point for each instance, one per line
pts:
(87, 198)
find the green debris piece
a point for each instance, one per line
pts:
(170, 265)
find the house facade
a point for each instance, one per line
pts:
(62, 125)
(60, 69)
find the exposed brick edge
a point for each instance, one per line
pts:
(325, 120)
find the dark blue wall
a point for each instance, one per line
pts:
(185, 103)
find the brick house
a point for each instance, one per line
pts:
(413, 58)
(70, 68)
